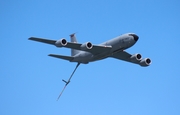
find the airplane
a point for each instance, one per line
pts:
(88, 52)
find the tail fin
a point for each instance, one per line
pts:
(73, 39)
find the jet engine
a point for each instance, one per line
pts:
(86, 46)
(136, 57)
(145, 62)
(60, 43)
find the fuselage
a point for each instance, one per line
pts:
(119, 43)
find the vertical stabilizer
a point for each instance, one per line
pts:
(74, 40)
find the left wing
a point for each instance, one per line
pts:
(95, 49)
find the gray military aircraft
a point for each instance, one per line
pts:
(88, 52)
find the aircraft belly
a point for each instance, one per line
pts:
(83, 57)
(101, 56)
(86, 57)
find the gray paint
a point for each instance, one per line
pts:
(112, 48)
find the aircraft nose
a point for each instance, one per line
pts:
(135, 37)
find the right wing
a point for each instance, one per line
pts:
(95, 50)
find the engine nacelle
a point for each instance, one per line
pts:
(86, 46)
(60, 43)
(136, 57)
(145, 62)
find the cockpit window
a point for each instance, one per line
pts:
(134, 36)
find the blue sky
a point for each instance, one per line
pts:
(30, 81)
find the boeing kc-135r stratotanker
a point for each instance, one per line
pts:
(88, 52)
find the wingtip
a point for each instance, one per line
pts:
(51, 55)
(30, 38)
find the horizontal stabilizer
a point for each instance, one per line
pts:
(52, 42)
(69, 58)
